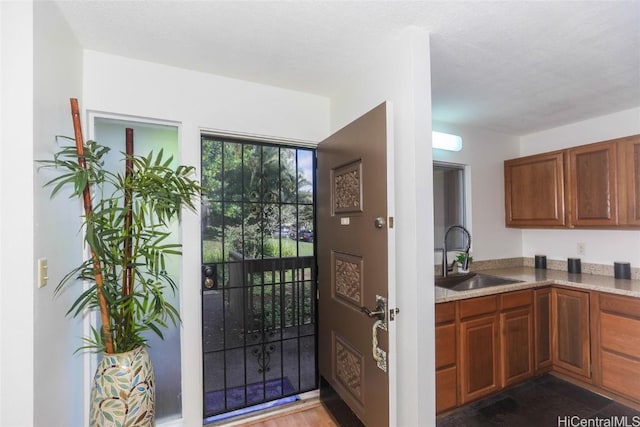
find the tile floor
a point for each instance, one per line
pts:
(541, 402)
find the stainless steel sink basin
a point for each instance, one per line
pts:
(465, 282)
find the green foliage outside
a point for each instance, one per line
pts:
(254, 197)
(212, 250)
(251, 193)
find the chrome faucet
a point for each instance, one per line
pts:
(445, 265)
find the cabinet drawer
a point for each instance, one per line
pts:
(446, 389)
(620, 334)
(620, 305)
(445, 345)
(477, 306)
(621, 375)
(445, 312)
(516, 299)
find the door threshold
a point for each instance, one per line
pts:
(304, 401)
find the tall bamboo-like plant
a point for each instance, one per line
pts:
(127, 233)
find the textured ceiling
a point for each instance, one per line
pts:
(515, 67)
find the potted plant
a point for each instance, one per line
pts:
(126, 219)
(461, 257)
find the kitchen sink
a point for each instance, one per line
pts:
(466, 282)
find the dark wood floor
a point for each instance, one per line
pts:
(546, 401)
(541, 402)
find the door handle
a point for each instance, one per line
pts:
(378, 313)
(379, 355)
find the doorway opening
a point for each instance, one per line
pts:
(259, 296)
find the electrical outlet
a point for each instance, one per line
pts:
(582, 249)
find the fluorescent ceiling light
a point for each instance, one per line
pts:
(446, 141)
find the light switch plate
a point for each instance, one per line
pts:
(43, 274)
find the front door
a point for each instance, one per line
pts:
(258, 275)
(355, 230)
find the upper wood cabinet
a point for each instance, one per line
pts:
(534, 190)
(595, 186)
(629, 185)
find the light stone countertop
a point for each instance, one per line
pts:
(534, 278)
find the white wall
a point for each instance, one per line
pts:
(16, 208)
(57, 77)
(399, 73)
(196, 100)
(602, 246)
(484, 152)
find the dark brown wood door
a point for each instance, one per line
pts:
(594, 189)
(353, 235)
(534, 191)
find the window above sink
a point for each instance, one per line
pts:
(450, 201)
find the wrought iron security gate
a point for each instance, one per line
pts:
(258, 273)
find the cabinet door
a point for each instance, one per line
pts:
(542, 329)
(516, 346)
(534, 190)
(593, 184)
(629, 179)
(571, 350)
(479, 358)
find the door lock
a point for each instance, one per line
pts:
(210, 276)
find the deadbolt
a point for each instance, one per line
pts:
(210, 279)
(380, 222)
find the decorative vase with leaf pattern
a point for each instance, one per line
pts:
(122, 393)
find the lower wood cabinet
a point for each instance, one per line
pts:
(619, 330)
(446, 355)
(542, 329)
(479, 356)
(516, 337)
(487, 343)
(571, 339)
